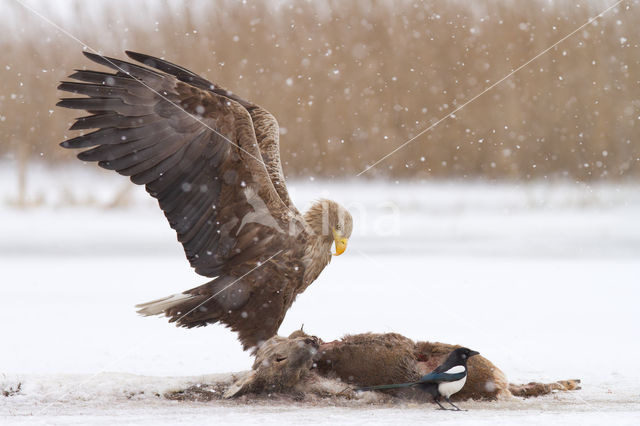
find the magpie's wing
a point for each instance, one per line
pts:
(435, 377)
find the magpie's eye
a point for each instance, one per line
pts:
(464, 356)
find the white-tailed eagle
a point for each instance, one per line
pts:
(212, 161)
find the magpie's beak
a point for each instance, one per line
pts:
(472, 353)
(341, 243)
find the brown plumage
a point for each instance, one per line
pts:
(212, 161)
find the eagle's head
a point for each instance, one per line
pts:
(332, 222)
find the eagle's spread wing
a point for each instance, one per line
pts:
(265, 124)
(211, 160)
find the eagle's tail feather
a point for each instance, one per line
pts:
(185, 309)
(206, 304)
(159, 306)
(378, 387)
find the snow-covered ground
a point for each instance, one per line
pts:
(542, 279)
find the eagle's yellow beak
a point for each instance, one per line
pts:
(341, 243)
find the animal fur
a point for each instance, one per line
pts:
(369, 359)
(304, 364)
(281, 364)
(396, 359)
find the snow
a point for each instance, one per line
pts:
(541, 278)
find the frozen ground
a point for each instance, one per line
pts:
(541, 278)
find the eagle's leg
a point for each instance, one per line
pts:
(453, 405)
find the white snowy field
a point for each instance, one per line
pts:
(542, 279)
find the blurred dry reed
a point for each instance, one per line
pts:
(351, 80)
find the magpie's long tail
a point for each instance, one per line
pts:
(399, 385)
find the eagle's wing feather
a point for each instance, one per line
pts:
(207, 173)
(265, 125)
(267, 134)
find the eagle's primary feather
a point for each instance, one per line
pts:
(212, 161)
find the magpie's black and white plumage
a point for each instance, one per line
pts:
(447, 379)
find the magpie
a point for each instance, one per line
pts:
(447, 379)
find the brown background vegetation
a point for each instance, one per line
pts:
(351, 80)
